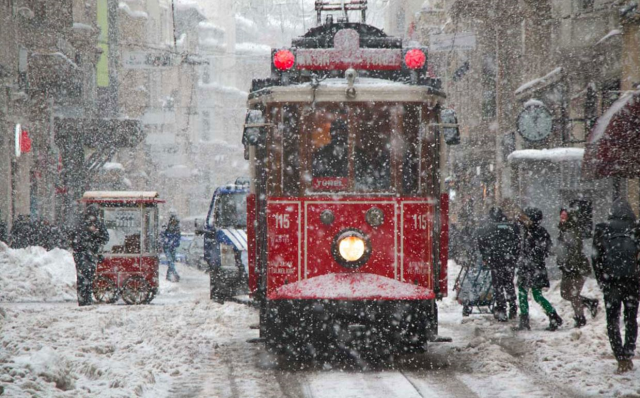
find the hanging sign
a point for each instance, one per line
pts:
(22, 141)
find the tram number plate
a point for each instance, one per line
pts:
(330, 183)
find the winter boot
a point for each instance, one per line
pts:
(624, 366)
(524, 323)
(580, 321)
(554, 322)
(513, 312)
(593, 307)
(501, 316)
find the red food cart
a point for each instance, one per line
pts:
(129, 264)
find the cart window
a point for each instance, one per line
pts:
(124, 226)
(151, 236)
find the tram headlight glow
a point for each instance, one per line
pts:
(351, 248)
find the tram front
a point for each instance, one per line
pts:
(347, 224)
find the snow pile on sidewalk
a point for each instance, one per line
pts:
(34, 274)
(60, 349)
(568, 362)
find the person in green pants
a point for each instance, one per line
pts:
(532, 271)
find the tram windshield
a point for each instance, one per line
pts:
(356, 148)
(230, 211)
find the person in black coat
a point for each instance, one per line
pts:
(22, 233)
(498, 242)
(87, 239)
(532, 270)
(4, 237)
(615, 263)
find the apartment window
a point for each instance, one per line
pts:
(610, 94)
(585, 5)
(206, 126)
(488, 81)
(206, 75)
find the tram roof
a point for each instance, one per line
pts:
(334, 90)
(122, 196)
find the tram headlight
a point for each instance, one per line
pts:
(351, 248)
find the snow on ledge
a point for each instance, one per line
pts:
(133, 14)
(113, 166)
(352, 286)
(542, 80)
(609, 35)
(553, 154)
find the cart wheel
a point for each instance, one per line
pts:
(136, 290)
(105, 290)
(151, 295)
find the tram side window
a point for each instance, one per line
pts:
(373, 150)
(291, 147)
(411, 150)
(124, 227)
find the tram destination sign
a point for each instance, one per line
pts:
(346, 54)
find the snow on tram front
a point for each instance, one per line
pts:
(347, 221)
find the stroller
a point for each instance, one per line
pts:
(473, 286)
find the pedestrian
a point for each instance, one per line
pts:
(532, 270)
(170, 242)
(616, 245)
(574, 266)
(498, 242)
(22, 234)
(3, 231)
(87, 238)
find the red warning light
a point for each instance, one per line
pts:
(283, 59)
(415, 59)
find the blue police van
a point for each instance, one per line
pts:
(225, 240)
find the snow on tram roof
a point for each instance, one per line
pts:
(361, 81)
(133, 195)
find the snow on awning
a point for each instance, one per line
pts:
(550, 155)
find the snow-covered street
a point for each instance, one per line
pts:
(183, 345)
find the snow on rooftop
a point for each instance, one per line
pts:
(553, 154)
(245, 23)
(614, 32)
(223, 89)
(113, 166)
(539, 81)
(253, 49)
(133, 14)
(603, 121)
(210, 26)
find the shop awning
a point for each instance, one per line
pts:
(613, 147)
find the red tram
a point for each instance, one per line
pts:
(347, 222)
